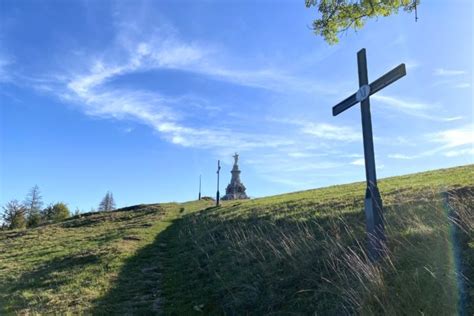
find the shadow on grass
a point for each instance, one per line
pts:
(211, 263)
(50, 276)
(137, 289)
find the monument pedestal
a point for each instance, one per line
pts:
(235, 190)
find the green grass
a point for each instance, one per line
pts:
(298, 253)
(78, 265)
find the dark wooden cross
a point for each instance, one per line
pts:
(218, 172)
(372, 203)
(199, 196)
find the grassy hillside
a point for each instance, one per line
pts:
(296, 253)
(97, 262)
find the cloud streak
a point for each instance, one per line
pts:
(358, 162)
(451, 143)
(331, 132)
(93, 92)
(449, 72)
(412, 108)
(402, 156)
(5, 63)
(454, 137)
(463, 85)
(90, 90)
(322, 131)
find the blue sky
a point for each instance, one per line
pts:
(139, 98)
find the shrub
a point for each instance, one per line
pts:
(56, 212)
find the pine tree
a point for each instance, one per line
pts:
(33, 204)
(108, 203)
(14, 215)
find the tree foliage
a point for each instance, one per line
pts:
(56, 212)
(340, 15)
(107, 203)
(14, 215)
(33, 204)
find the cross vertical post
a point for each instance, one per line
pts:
(199, 197)
(372, 203)
(218, 172)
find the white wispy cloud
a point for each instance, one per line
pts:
(330, 132)
(402, 156)
(168, 51)
(412, 108)
(157, 112)
(451, 143)
(412, 64)
(5, 62)
(90, 90)
(361, 162)
(358, 162)
(454, 137)
(463, 85)
(323, 131)
(461, 152)
(399, 103)
(89, 83)
(352, 155)
(449, 72)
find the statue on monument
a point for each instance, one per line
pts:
(236, 158)
(235, 190)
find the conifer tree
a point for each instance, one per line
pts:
(107, 203)
(33, 204)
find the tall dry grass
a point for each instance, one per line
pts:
(320, 264)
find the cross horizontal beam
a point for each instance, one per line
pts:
(390, 77)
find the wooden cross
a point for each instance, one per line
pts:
(199, 196)
(218, 172)
(372, 203)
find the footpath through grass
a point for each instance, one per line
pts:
(299, 253)
(104, 263)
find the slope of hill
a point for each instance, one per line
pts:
(296, 253)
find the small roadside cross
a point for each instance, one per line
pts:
(372, 203)
(218, 172)
(199, 196)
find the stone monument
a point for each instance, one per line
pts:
(235, 190)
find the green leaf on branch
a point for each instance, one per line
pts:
(337, 16)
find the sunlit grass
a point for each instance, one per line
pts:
(71, 265)
(297, 253)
